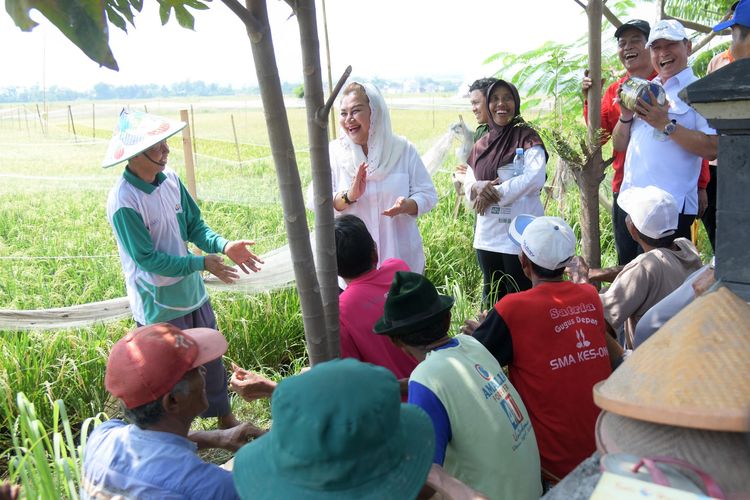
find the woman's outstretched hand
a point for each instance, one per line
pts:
(359, 183)
(402, 206)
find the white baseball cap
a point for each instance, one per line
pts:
(652, 210)
(667, 29)
(548, 242)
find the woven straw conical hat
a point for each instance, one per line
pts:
(135, 132)
(694, 372)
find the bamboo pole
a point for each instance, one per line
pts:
(332, 116)
(187, 150)
(236, 143)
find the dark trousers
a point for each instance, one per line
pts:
(709, 216)
(502, 274)
(216, 374)
(684, 224)
(627, 248)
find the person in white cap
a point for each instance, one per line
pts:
(665, 143)
(552, 339)
(154, 218)
(665, 264)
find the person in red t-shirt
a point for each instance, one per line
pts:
(361, 304)
(552, 338)
(635, 58)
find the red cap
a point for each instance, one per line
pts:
(147, 363)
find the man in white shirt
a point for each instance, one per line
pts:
(665, 143)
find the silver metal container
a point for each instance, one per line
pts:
(634, 88)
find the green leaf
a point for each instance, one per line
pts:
(164, 11)
(116, 19)
(184, 17)
(83, 22)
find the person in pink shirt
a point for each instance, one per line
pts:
(362, 303)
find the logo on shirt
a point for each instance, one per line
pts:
(482, 372)
(178, 208)
(582, 342)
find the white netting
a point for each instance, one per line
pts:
(45, 173)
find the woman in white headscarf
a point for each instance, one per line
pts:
(379, 176)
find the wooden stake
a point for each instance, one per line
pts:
(72, 123)
(236, 144)
(93, 118)
(41, 122)
(192, 130)
(187, 150)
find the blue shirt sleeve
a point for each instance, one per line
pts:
(427, 400)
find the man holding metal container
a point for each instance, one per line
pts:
(665, 139)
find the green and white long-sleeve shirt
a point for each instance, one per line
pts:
(153, 224)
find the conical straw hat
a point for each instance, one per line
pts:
(694, 372)
(135, 132)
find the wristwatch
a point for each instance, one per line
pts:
(669, 128)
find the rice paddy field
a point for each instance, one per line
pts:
(57, 249)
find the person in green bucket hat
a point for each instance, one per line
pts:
(483, 434)
(339, 431)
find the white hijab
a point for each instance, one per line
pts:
(383, 147)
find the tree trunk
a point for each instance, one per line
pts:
(317, 133)
(591, 175)
(289, 183)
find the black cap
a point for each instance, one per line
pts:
(638, 24)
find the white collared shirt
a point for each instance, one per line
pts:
(654, 159)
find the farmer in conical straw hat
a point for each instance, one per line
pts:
(154, 217)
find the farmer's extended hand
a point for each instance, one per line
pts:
(214, 264)
(250, 385)
(236, 437)
(578, 270)
(241, 255)
(402, 206)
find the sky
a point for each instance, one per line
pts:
(394, 39)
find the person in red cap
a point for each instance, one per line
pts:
(157, 373)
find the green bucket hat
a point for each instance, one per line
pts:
(339, 431)
(412, 301)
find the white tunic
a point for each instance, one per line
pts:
(396, 237)
(654, 159)
(518, 195)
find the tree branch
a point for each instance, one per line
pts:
(701, 28)
(698, 46)
(611, 17)
(321, 117)
(581, 4)
(240, 11)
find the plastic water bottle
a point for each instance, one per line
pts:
(518, 162)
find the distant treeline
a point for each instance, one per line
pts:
(107, 91)
(197, 88)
